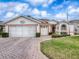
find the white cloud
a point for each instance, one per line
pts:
(10, 9)
(9, 14)
(7, 5)
(39, 13)
(36, 11)
(2, 5)
(35, 2)
(73, 10)
(21, 7)
(14, 7)
(44, 13)
(50, 1)
(57, 7)
(70, 7)
(45, 5)
(61, 16)
(42, 2)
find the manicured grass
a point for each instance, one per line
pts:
(61, 48)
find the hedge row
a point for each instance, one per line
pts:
(56, 35)
(37, 34)
(3, 34)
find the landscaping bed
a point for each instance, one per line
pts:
(61, 48)
(58, 36)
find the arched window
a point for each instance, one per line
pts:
(63, 27)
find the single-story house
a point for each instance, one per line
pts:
(27, 26)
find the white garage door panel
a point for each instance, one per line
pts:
(44, 31)
(11, 31)
(22, 31)
(18, 31)
(28, 31)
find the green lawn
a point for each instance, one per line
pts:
(61, 48)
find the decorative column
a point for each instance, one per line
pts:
(38, 28)
(50, 28)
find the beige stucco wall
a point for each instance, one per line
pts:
(57, 29)
(6, 28)
(71, 29)
(20, 20)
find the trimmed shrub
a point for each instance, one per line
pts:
(56, 36)
(1, 29)
(1, 33)
(50, 33)
(5, 34)
(63, 33)
(37, 34)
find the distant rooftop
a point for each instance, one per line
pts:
(74, 21)
(1, 22)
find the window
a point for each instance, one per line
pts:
(63, 27)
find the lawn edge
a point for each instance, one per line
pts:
(43, 52)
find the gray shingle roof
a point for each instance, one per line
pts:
(27, 17)
(74, 21)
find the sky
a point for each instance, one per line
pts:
(48, 9)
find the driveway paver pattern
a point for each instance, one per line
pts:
(21, 48)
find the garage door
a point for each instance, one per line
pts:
(22, 31)
(44, 30)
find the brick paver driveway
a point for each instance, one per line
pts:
(20, 48)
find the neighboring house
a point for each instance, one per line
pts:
(71, 27)
(22, 26)
(76, 26)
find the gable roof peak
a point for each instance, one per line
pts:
(26, 17)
